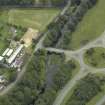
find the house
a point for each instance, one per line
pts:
(14, 55)
(9, 52)
(2, 80)
(5, 52)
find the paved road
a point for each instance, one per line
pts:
(78, 55)
(63, 93)
(38, 46)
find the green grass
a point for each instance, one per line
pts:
(7, 72)
(97, 58)
(26, 18)
(5, 34)
(34, 18)
(92, 26)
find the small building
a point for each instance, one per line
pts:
(1, 58)
(5, 52)
(14, 55)
(1, 87)
(17, 63)
(2, 80)
(9, 52)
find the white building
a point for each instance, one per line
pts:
(9, 52)
(5, 52)
(2, 80)
(13, 56)
(1, 58)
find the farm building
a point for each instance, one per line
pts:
(1, 58)
(13, 56)
(5, 52)
(9, 52)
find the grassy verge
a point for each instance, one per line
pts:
(68, 96)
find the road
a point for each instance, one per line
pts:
(38, 46)
(77, 55)
(8, 88)
(63, 93)
(84, 69)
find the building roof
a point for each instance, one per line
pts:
(1, 58)
(5, 52)
(13, 56)
(9, 52)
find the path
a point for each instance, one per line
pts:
(84, 68)
(8, 88)
(38, 46)
(77, 55)
(63, 93)
(102, 101)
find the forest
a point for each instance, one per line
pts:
(33, 2)
(66, 24)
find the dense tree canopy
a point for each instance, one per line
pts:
(86, 89)
(33, 2)
(63, 27)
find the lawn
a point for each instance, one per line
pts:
(6, 34)
(34, 18)
(91, 27)
(23, 19)
(95, 57)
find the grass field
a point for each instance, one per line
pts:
(96, 58)
(92, 26)
(34, 18)
(37, 19)
(94, 100)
